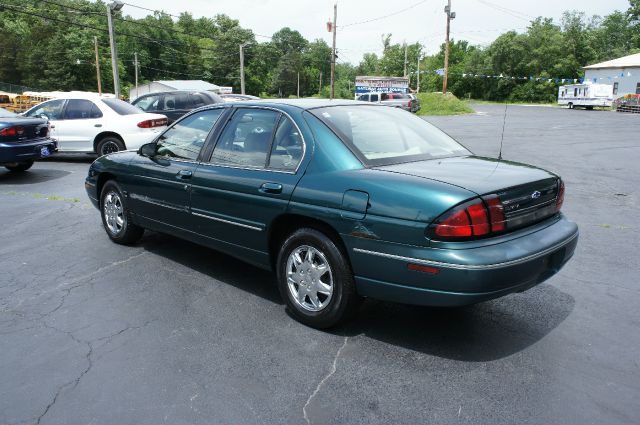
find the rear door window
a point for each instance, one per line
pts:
(288, 147)
(79, 109)
(198, 100)
(246, 139)
(173, 101)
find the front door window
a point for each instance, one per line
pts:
(185, 139)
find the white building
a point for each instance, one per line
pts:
(622, 73)
(169, 85)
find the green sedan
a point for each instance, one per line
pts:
(342, 200)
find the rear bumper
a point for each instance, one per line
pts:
(11, 152)
(476, 274)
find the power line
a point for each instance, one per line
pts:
(148, 39)
(177, 16)
(511, 12)
(384, 16)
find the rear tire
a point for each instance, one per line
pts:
(19, 167)
(116, 217)
(570, 105)
(109, 144)
(315, 279)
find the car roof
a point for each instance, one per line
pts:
(174, 92)
(307, 103)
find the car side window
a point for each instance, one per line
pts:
(52, 109)
(175, 101)
(246, 139)
(80, 109)
(386, 96)
(364, 97)
(288, 147)
(149, 103)
(198, 100)
(187, 137)
(374, 98)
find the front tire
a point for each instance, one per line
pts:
(116, 217)
(19, 167)
(109, 144)
(315, 279)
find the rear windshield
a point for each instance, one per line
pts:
(122, 107)
(380, 135)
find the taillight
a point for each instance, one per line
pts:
(160, 122)
(12, 131)
(496, 212)
(476, 218)
(560, 197)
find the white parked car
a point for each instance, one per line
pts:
(82, 123)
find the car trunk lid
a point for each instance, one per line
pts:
(527, 194)
(22, 129)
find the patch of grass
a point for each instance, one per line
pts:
(439, 104)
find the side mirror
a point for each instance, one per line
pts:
(148, 150)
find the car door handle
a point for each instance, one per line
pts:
(271, 188)
(97, 125)
(184, 174)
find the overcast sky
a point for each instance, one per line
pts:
(479, 21)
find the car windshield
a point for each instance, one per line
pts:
(122, 107)
(381, 135)
(6, 114)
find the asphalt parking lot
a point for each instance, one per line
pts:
(170, 332)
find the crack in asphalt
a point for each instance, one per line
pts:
(334, 367)
(73, 284)
(74, 383)
(67, 288)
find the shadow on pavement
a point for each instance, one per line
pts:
(32, 176)
(71, 157)
(214, 264)
(483, 332)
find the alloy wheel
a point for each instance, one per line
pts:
(309, 278)
(113, 211)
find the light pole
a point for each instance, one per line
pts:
(450, 15)
(114, 7)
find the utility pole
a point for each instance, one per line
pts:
(95, 45)
(450, 15)
(135, 55)
(320, 90)
(242, 68)
(418, 76)
(298, 85)
(405, 59)
(333, 53)
(114, 7)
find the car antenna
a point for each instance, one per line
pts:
(504, 122)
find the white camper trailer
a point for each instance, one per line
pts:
(585, 95)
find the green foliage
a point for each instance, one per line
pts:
(439, 104)
(50, 47)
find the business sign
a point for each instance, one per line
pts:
(382, 85)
